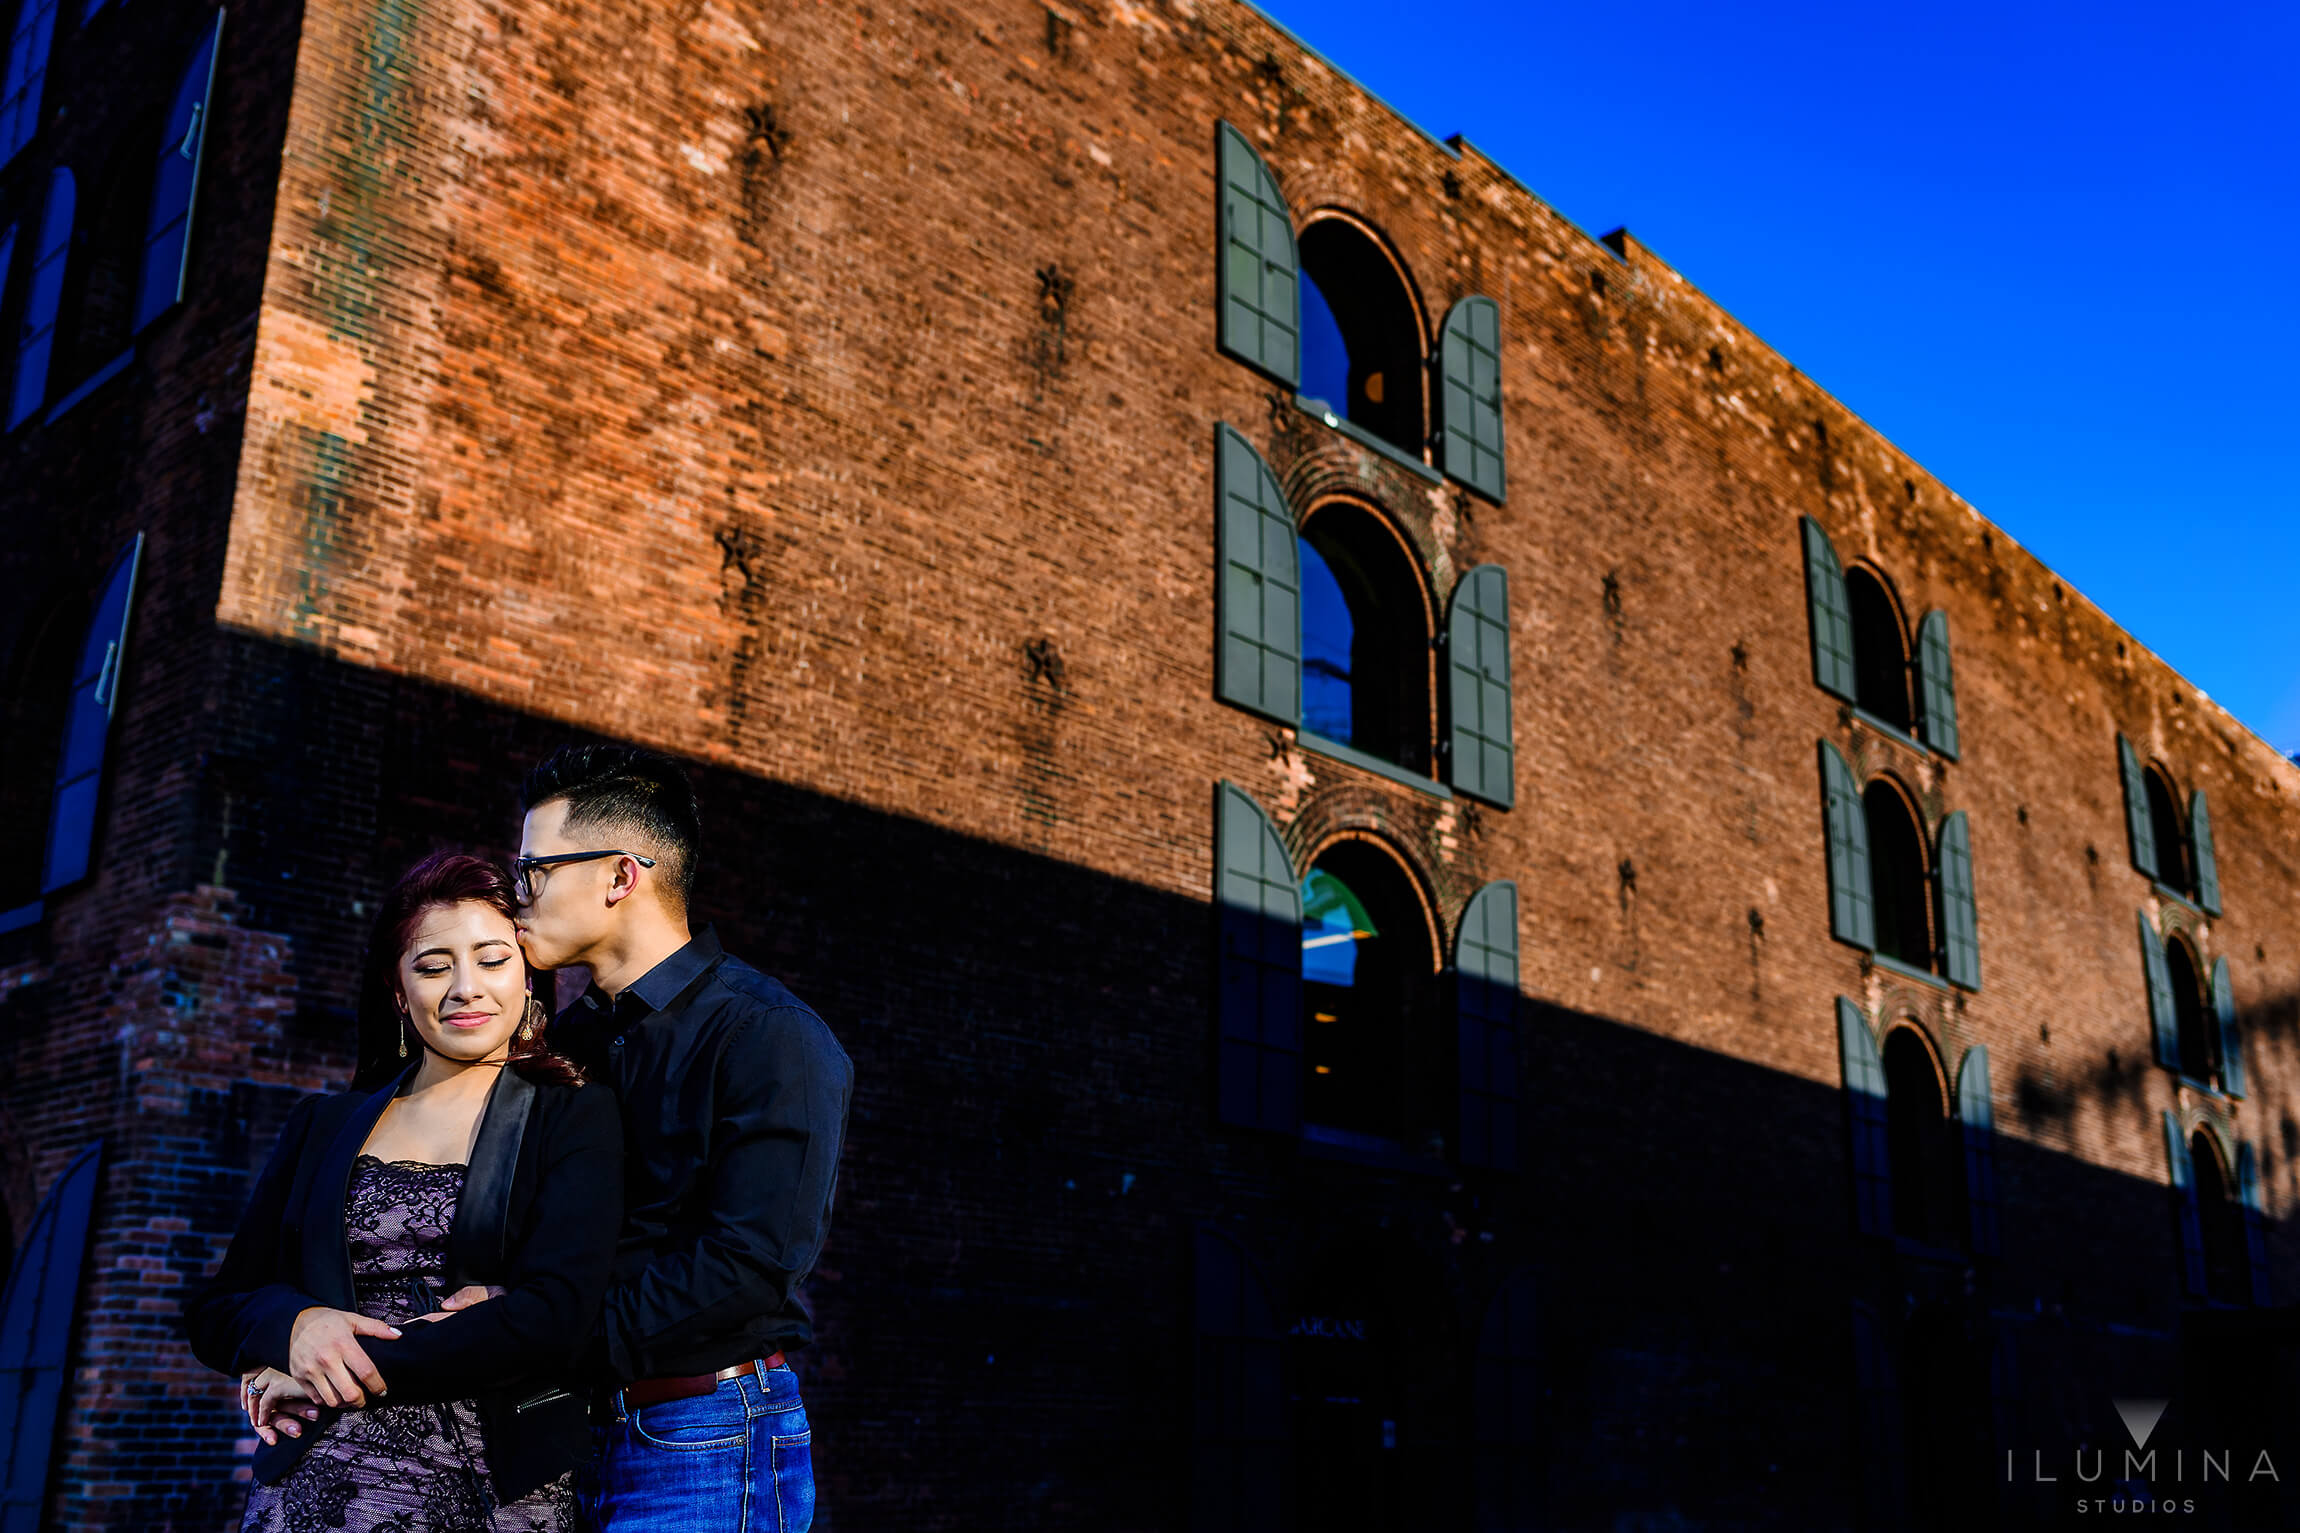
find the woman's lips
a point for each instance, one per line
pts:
(467, 1019)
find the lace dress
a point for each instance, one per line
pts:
(402, 1468)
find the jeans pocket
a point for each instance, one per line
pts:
(714, 1420)
(793, 1467)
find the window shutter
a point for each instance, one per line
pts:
(2186, 1216)
(1832, 613)
(95, 695)
(40, 303)
(2231, 1032)
(1852, 910)
(2255, 1222)
(1261, 296)
(1259, 1062)
(1960, 925)
(1469, 395)
(1240, 1467)
(1260, 662)
(1865, 1121)
(27, 73)
(1884, 1469)
(1485, 1009)
(2137, 824)
(1976, 1119)
(2207, 865)
(1481, 757)
(175, 181)
(2161, 1017)
(36, 1331)
(1937, 683)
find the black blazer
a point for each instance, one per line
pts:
(541, 1207)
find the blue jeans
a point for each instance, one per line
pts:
(734, 1461)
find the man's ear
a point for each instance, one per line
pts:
(625, 882)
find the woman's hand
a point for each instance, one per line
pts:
(324, 1355)
(275, 1404)
(464, 1297)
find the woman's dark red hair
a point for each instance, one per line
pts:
(443, 878)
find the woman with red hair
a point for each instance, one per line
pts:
(482, 1159)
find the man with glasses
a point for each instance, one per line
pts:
(734, 1101)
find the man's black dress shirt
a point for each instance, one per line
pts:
(734, 1101)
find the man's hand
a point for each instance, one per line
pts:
(464, 1297)
(324, 1355)
(275, 1404)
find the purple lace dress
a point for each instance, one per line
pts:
(402, 1468)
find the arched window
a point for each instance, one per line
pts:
(1923, 1152)
(2199, 1048)
(100, 281)
(43, 296)
(32, 712)
(1374, 1061)
(27, 71)
(1897, 878)
(2227, 1273)
(1880, 650)
(1362, 337)
(1366, 655)
(2170, 833)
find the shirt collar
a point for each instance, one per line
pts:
(661, 985)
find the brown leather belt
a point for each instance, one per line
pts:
(655, 1391)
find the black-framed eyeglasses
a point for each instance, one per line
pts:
(523, 884)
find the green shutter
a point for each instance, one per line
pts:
(1976, 1121)
(2255, 1222)
(1259, 665)
(1832, 613)
(1480, 754)
(1469, 395)
(1259, 998)
(1865, 1121)
(1485, 1011)
(2231, 1032)
(1959, 924)
(95, 697)
(1852, 911)
(36, 1313)
(2207, 865)
(2187, 1218)
(175, 181)
(2136, 821)
(1938, 683)
(1261, 322)
(2162, 1019)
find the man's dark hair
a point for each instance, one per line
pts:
(624, 791)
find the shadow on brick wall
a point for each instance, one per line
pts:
(1005, 1306)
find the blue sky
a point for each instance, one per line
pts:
(2048, 250)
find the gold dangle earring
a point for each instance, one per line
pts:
(401, 1029)
(534, 1012)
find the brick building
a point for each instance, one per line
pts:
(1453, 892)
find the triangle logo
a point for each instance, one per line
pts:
(2140, 1418)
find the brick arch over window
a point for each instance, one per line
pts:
(1408, 828)
(1317, 466)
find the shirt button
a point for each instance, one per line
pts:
(618, 1040)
